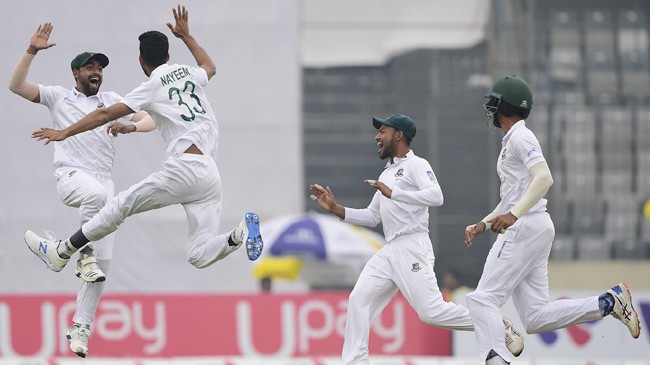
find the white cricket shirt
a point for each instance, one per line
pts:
(175, 99)
(520, 150)
(92, 150)
(415, 189)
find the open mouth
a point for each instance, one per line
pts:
(381, 145)
(94, 81)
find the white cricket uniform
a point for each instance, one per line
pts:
(405, 263)
(517, 264)
(82, 166)
(174, 97)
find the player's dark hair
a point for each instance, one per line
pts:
(154, 48)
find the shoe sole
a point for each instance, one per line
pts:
(254, 243)
(98, 280)
(636, 315)
(46, 261)
(511, 328)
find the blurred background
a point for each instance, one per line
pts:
(297, 84)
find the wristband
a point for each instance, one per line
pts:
(484, 226)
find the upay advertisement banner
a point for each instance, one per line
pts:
(155, 326)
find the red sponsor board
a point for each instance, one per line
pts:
(211, 325)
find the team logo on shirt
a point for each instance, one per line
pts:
(100, 105)
(503, 154)
(399, 173)
(432, 177)
(416, 267)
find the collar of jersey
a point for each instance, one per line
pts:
(158, 70)
(519, 124)
(78, 93)
(399, 160)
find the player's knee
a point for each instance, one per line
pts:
(474, 298)
(196, 261)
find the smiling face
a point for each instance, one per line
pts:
(89, 77)
(386, 138)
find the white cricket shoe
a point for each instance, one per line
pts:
(78, 335)
(514, 339)
(623, 309)
(45, 249)
(248, 232)
(88, 269)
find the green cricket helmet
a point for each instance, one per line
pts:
(509, 96)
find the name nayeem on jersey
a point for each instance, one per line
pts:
(175, 75)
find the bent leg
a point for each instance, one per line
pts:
(420, 286)
(372, 292)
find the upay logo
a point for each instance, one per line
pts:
(580, 334)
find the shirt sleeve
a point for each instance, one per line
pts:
(50, 94)
(200, 75)
(528, 149)
(139, 98)
(368, 217)
(427, 190)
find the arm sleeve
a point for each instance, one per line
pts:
(18, 83)
(493, 214)
(427, 190)
(139, 98)
(368, 217)
(542, 181)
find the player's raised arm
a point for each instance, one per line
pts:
(18, 83)
(182, 30)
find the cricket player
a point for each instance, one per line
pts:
(175, 98)
(82, 165)
(404, 192)
(517, 264)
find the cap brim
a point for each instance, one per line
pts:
(376, 122)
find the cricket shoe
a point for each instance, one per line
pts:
(248, 233)
(78, 335)
(623, 309)
(45, 249)
(514, 339)
(494, 359)
(88, 269)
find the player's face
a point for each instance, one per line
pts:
(386, 138)
(491, 108)
(89, 77)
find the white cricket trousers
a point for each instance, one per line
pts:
(188, 179)
(88, 191)
(405, 264)
(517, 266)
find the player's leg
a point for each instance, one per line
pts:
(372, 292)
(97, 263)
(205, 245)
(160, 189)
(412, 261)
(88, 192)
(507, 263)
(531, 296)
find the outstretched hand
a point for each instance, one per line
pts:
(323, 196)
(49, 134)
(40, 39)
(383, 188)
(181, 29)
